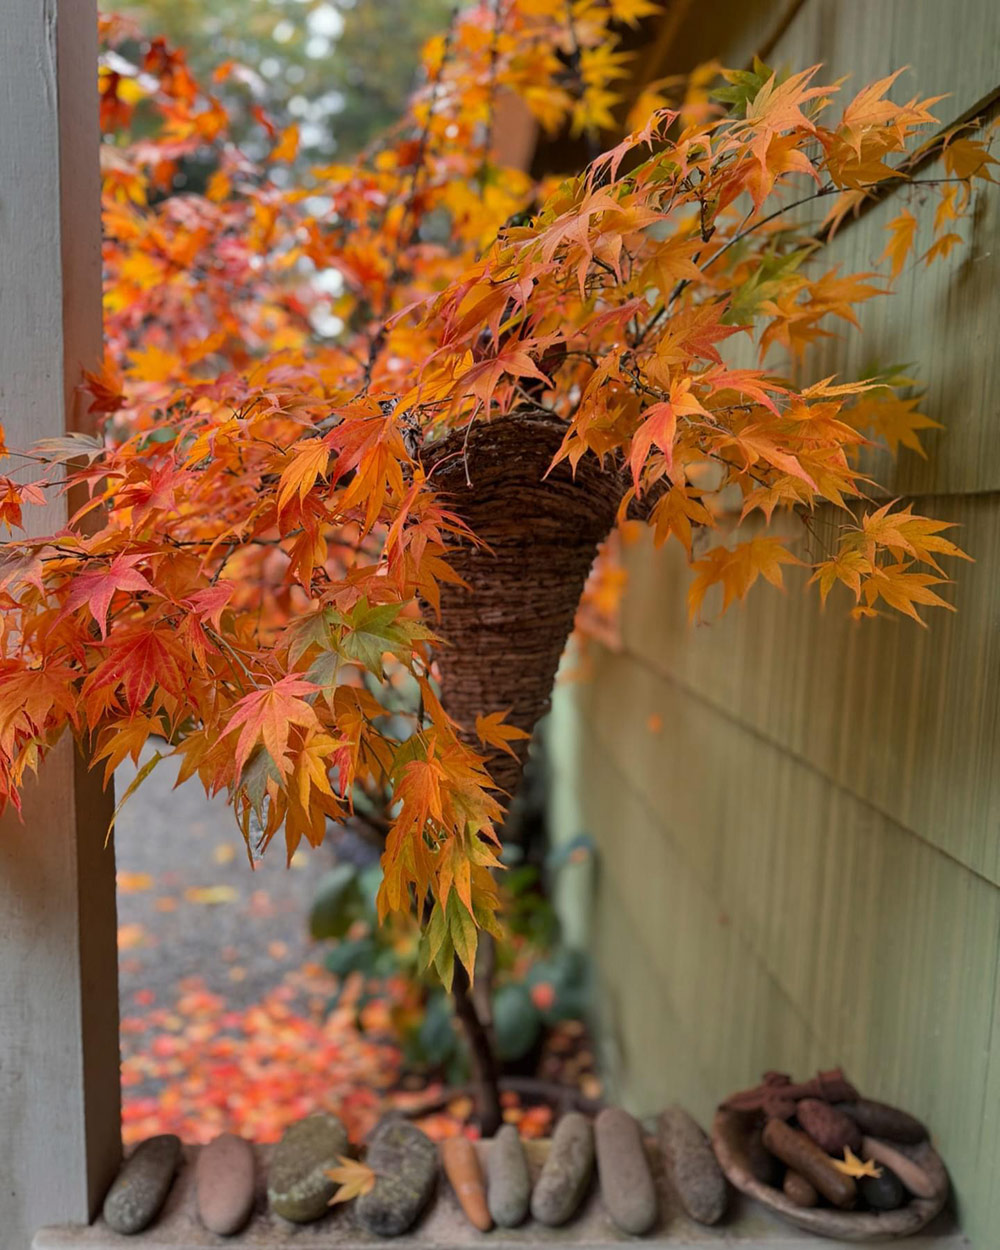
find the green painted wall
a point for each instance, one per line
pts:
(802, 867)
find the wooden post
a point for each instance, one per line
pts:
(59, 1071)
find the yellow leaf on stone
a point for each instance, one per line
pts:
(353, 1177)
(851, 1165)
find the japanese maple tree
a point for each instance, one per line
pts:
(362, 438)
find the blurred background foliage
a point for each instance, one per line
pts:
(537, 982)
(342, 69)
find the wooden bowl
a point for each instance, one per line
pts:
(730, 1131)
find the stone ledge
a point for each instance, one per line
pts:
(444, 1227)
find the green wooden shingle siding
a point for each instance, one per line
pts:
(802, 866)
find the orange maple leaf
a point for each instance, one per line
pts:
(736, 569)
(287, 147)
(266, 716)
(307, 461)
(902, 231)
(354, 1178)
(97, 587)
(492, 730)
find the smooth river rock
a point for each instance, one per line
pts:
(884, 1192)
(224, 1184)
(460, 1161)
(911, 1174)
(566, 1173)
(801, 1153)
(298, 1188)
(141, 1187)
(798, 1190)
(692, 1167)
(829, 1128)
(878, 1119)
(405, 1163)
(627, 1188)
(508, 1180)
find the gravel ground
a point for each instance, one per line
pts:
(189, 904)
(228, 1019)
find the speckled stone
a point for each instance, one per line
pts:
(224, 1184)
(829, 1128)
(566, 1173)
(627, 1188)
(141, 1187)
(405, 1162)
(508, 1180)
(692, 1167)
(298, 1188)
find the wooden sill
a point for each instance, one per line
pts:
(747, 1227)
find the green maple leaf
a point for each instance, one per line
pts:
(370, 632)
(312, 630)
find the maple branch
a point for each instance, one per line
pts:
(979, 114)
(333, 539)
(829, 189)
(807, 521)
(233, 653)
(214, 579)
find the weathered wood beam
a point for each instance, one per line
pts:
(59, 1082)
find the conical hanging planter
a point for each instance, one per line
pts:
(506, 633)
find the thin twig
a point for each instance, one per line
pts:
(233, 653)
(829, 189)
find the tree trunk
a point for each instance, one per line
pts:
(507, 631)
(482, 1055)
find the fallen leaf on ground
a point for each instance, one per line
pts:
(133, 882)
(211, 894)
(132, 935)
